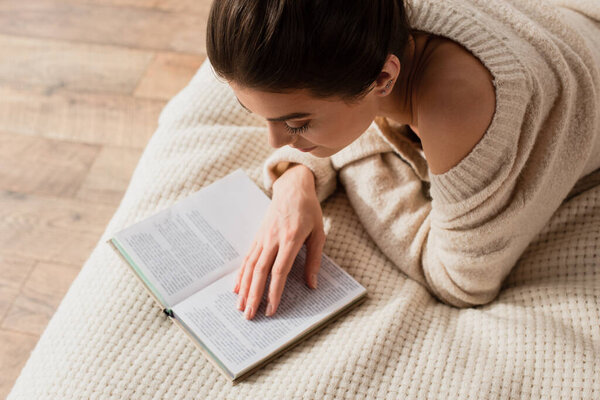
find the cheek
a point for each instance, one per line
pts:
(345, 129)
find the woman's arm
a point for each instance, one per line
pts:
(461, 260)
(285, 157)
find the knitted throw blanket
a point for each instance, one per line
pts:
(537, 339)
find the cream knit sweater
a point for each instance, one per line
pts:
(461, 232)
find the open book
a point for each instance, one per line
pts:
(187, 256)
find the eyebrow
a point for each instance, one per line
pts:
(283, 117)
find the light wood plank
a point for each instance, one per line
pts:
(51, 229)
(43, 166)
(15, 349)
(57, 64)
(188, 6)
(124, 26)
(92, 118)
(40, 296)
(109, 176)
(122, 3)
(201, 7)
(168, 74)
(13, 273)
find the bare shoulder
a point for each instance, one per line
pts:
(456, 104)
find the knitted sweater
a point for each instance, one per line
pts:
(461, 232)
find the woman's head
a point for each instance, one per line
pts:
(321, 51)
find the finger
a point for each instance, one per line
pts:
(281, 268)
(259, 278)
(238, 278)
(314, 251)
(241, 269)
(247, 278)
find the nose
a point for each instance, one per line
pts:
(278, 136)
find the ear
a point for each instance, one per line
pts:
(389, 72)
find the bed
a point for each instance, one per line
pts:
(539, 339)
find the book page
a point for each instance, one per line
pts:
(198, 239)
(214, 319)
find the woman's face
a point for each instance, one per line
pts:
(328, 124)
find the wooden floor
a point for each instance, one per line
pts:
(81, 85)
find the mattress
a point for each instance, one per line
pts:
(109, 340)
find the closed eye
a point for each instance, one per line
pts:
(297, 131)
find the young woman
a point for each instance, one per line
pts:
(487, 113)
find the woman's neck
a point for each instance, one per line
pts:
(400, 105)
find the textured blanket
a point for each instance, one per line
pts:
(539, 339)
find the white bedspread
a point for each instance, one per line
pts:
(539, 339)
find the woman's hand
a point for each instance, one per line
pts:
(294, 215)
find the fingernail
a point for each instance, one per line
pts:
(241, 302)
(235, 289)
(313, 280)
(249, 312)
(269, 310)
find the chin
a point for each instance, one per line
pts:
(323, 152)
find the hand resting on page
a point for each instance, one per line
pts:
(293, 217)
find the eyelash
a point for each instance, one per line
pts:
(296, 131)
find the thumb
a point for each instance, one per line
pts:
(314, 251)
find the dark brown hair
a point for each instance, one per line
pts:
(329, 47)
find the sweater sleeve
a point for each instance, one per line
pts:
(460, 234)
(282, 158)
(461, 261)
